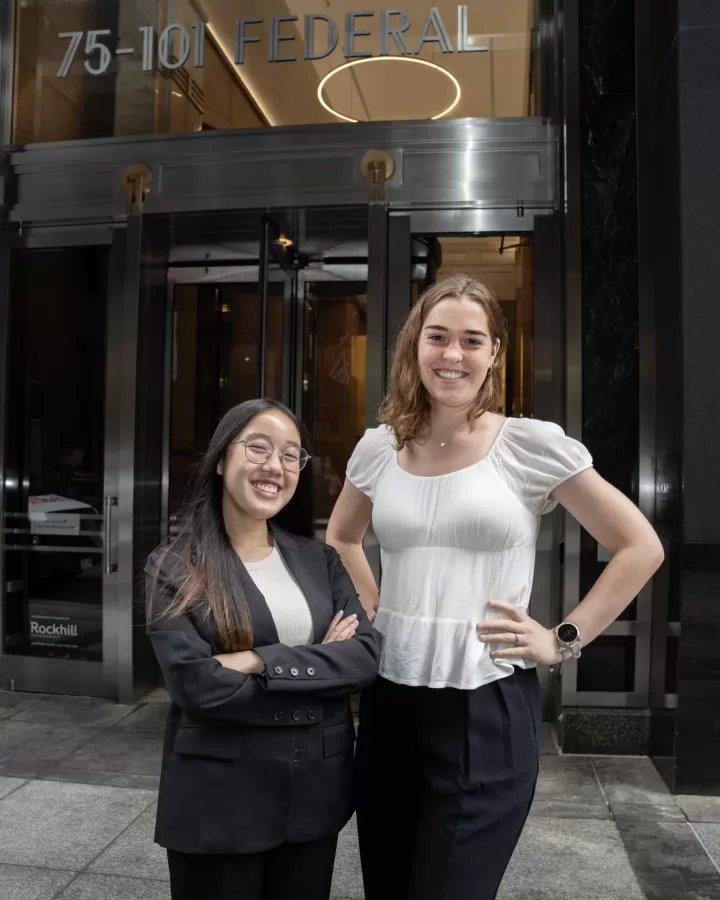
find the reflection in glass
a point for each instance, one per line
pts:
(505, 265)
(335, 369)
(54, 472)
(215, 366)
(127, 74)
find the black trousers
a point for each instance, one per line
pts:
(444, 783)
(288, 872)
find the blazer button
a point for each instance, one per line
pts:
(278, 716)
(310, 671)
(311, 715)
(278, 670)
(294, 672)
(296, 716)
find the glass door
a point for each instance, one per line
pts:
(269, 304)
(422, 249)
(229, 297)
(59, 534)
(82, 314)
(330, 251)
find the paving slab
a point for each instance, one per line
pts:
(150, 717)
(107, 887)
(669, 861)
(709, 836)
(548, 744)
(8, 785)
(564, 859)
(134, 852)
(13, 702)
(26, 748)
(347, 878)
(568, 789)
(131, 752)
(86, 711)
(71, 774)
(631, 780)
(65, 826)
(699, 809)
(647, 812)
(24, 883)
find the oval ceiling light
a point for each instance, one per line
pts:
(374, 59)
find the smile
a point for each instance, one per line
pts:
(265, 487)
(450, 374)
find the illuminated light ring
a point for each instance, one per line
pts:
(370, 59)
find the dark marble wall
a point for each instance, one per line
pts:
(650, 152)
(697, 746)
(680, 181)
(699, 94)
(609, 238)
(609, 285)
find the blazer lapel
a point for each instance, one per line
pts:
(310, 572)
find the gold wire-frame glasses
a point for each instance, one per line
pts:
(259, 451)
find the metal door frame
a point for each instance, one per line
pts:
(548, 404)
(59, 675)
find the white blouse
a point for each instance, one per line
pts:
(287, 603)
(449, 543)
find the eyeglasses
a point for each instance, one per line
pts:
(259, 451)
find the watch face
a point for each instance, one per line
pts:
(567, 632)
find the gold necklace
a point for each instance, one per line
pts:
(452, 437)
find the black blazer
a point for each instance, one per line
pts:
(251, 761)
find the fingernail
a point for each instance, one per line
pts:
(353, 616)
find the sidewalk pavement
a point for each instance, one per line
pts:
(78, 784)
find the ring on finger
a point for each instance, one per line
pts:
(517, 638)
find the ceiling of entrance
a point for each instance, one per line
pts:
(494, 83)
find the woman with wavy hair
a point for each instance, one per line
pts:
(447, 753)
(261, 639)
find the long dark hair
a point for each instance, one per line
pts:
(211, 580)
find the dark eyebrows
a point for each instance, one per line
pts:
(259, 434)
(443, 328)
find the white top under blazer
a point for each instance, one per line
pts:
(449, 543)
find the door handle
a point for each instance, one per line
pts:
(108, 565)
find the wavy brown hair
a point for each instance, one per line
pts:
(208, 580)
(406, 407)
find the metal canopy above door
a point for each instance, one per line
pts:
(484, 164)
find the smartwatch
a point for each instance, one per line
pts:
(567, 636)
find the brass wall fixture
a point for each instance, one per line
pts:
(136, 183)
(377, 167)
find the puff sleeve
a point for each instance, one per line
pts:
(538, 456)
(371, 458)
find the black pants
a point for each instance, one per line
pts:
(288, 872)
(444, 780)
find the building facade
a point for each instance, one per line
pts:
(204, 201)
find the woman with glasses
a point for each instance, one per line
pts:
(261, 638)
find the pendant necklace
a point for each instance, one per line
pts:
(452, 437)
